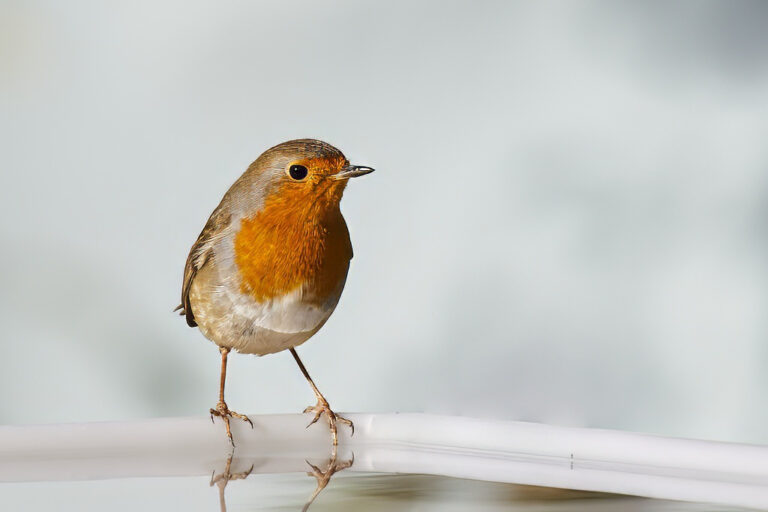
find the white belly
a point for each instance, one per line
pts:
(277, 324)
(235, 320)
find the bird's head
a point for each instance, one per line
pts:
(292, 234)
(304, 173)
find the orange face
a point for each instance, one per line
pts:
(311, 179)
(298, 239)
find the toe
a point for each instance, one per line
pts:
(314, 420)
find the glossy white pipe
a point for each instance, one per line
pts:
(514, 452)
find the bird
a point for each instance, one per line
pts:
(269, 267)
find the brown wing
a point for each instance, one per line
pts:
(199, 255)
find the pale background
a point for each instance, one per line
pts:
(567, 223)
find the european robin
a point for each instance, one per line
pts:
(269, 267)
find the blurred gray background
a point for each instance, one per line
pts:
(567, 224)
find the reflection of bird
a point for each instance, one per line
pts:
(323, 477)
(269, 267)
(223, 479)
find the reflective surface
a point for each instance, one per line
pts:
(292, 491)
(281, 463)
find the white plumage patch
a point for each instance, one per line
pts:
(286, 314)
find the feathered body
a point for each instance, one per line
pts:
(269, 267)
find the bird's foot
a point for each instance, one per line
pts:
(323, 477)
(224, 413)
(224, 478)
(321, 408)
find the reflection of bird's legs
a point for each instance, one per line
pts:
(322, 406)
(221, 409)
(223, 479)
(323, 477)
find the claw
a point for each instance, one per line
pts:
(242, 417)
(224, 413)
(323, 477)
(315, 470)
(223, 479)
(322, 407)
(314, 420)
(348, 423)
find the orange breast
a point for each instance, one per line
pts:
(294, 242)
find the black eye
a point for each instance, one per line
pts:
(297, 172)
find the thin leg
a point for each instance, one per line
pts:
(223, 379)
(322, 406)
(223, 479)
(221, 409)
(323, 477)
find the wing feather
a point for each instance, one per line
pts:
(199, 255)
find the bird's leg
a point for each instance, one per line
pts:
(223, 479)
(221, 409)
(323, 477)
(322, 406)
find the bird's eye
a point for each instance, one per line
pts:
(297, 172)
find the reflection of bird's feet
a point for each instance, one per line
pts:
(323, 477)
(321, 408)
(224, 413)
(223, 479)
(226, 476)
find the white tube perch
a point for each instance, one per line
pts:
(497, 451)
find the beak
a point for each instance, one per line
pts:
(352, 171)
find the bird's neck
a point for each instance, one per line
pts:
(287, 246)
